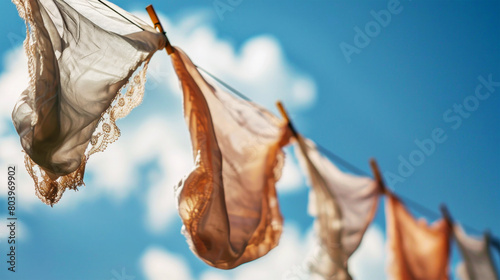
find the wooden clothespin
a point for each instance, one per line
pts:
(377, 175)
(285, 116)
(446, 214)
(159, 27)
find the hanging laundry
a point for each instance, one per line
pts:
(478, 262)
(417, 251)
(81, 55)
(228, 202)
(343, 204)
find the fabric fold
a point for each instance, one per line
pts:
(478, 263)
(344, 205)
(417, 251)
(228, 203)
(81, 55)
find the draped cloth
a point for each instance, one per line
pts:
(418, 251)
(343, 204)
(81, 55)
(477, 256)
(228, 202)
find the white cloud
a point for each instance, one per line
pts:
(158, 264)
(161, 206)
(117, 170)
(303, 91)
(214, 275)
(175, 160)
(121, 170)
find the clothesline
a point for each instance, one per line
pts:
(351, 167)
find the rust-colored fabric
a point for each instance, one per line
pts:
(417, 251)
(343, 204)
(228, 202)
(81, 54)
(477, 256)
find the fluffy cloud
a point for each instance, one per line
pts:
(158, 264)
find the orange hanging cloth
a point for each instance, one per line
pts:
(228, 202)
(418, 251)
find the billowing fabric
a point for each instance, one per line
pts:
(343, 204)
(418, 251)
(81, 54)
(228, 202)
(477, 256)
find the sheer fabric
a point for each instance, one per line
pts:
(228, 202)
(81, 54)
(418, 251)
(477, 256)
(343, 204)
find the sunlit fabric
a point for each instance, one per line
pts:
(417, 251)
(478, 263)
(343, 204)
(228, 202)
(81, 55)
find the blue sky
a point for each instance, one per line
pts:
(403, 84)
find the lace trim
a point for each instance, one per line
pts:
(106, 132)
(24, 10)
(50, 191)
